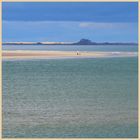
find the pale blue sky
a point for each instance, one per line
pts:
(112, 22)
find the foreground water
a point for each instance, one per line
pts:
(70, 98)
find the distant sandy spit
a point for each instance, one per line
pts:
(24, 54)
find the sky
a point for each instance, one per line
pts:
(69, 21)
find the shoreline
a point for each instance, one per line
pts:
(26, 54)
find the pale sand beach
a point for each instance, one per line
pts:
(20, 54)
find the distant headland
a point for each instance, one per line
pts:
(81, 42)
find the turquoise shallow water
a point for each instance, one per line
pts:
(70, 98)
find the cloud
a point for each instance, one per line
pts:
(96, 25)
(101, 25)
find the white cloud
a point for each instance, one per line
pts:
(98, 25)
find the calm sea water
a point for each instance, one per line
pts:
(73, 47)
(70, 98)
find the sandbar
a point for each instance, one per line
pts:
(26, 54)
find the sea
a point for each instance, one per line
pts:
(70, 97)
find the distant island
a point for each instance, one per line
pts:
(89, 42)
(81, 42)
